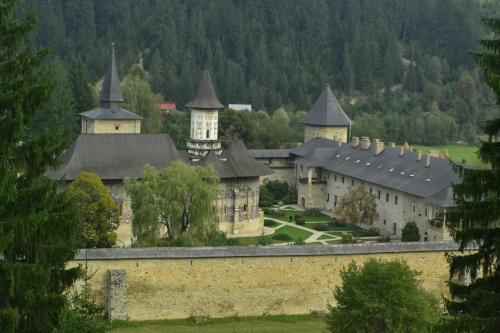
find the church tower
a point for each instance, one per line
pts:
(109, 116)
(327, 119)
(204, 120)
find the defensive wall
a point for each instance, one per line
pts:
(169, 283)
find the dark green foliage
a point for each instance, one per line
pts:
(291, 49)
(275, 192)
(270, 223)
(410, 233)
(382, 296)
(476, 306)
(283, 237)
(177, 125)
(263, 240)
(37, 225)
(299, 220)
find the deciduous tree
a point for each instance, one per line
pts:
(382, 296)
(358, 207)
(176, 202)
(410, 233)
(96, 208)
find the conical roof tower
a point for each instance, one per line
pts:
(111, 91)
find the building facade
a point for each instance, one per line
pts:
(407, 186)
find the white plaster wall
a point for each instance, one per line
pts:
(203, 121)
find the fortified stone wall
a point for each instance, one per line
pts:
(168, 283)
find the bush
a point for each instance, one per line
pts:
(263, 240)
(410, 233)
(283, 237)
(372, 232)
(312, 212)
(320, 227)
(337, 222)
(299, 220)
(270, 223)
(299, 241)
(347, 238)
(397, 304)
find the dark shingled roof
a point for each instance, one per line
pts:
(111, 90)
(116, 156)
(269, 153)
(327, 112)
(206, 97)
(388, 169)
(235, 162)
(110, 114)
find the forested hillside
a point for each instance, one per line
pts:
(401, 68)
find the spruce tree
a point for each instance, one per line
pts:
(37, 227)
(83, 93)
(476, 305)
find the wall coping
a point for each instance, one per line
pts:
(260, 251)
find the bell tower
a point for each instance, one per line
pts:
(204, 120)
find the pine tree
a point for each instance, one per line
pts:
(37, 226)
(476, 306)
(83, 93)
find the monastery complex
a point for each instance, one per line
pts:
(408, 186)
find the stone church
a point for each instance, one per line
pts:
(111, 145)
(408, 186)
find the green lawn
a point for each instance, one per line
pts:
(270, 223)
(457, 153)
(336, 241)
(346, 228)
(294, 233)
(323, 237)
(267, 324)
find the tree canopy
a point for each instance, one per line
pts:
(37, 229)
(96, 208)
(175, 204)
(358, 206)
(382, 296)
(476, 305)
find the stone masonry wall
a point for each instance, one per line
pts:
(327, 132)
(173, 283)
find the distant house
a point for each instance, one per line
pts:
(240, 107)
(168, 107)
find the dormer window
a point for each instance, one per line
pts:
(391, 169)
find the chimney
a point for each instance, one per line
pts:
(406, 146)
(419, 155)
(378, 146)
(402, 151)
(428, 161)
(365, 142)
(339, 143)
(391, 144)
(355, 142)
(434, 153)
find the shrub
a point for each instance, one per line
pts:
(397, 304)
(320, 227)
(283, 237)
(270, 223)
(347, 238)
(299, 241)
(263, 240)
(299, 220)
(312, 212)
(410, 233)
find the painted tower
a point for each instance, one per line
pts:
(204, 120)
(327, 119)
(110, 116)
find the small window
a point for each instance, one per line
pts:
(395, 199)
(245, 207)
(301, 168)
(335, 177)
(343, 179)
(385, 222)
(387, 197)
(394, 228)
(378, 194)
(208, 134)
(352, 182)
(328, 197)
(371, 190)
(117, 127)
(335, 201)
(426, 212)
(413, 208)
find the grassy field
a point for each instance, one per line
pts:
(294, 234)
(271, 324)
(456, 153)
